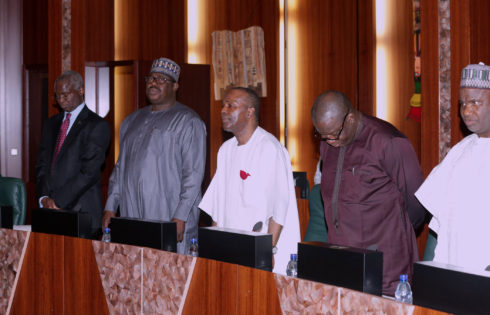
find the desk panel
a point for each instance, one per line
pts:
(65, 275)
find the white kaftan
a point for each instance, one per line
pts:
(457, 193)
(266, 190)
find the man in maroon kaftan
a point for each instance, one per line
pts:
(369, 176)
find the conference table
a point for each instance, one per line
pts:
(53, 274)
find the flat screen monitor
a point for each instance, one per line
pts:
(252, 249)
(62, 222)
(148, 233)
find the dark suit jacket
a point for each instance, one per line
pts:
(74, 182)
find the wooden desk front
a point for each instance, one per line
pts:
(50, 274)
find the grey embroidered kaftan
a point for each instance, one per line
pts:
(160, 167)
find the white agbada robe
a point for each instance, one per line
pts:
(267, 191)
(457, 193)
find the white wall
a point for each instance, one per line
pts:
(11, 88)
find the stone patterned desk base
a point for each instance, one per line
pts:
(12, 248)
(298, 296)
(141, 280)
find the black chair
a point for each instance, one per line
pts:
(301, 181)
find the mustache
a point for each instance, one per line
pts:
(153, 87)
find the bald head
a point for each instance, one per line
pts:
(334, 118)
(331, 105)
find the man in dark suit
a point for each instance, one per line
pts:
(72, 152)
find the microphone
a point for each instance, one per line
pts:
(257, 227)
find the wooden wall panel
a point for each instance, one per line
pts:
(195, 92)
(92, 32)
(326, 58)
(79, 44)
(124, 99)
(162, 30)
(54, 51)
(366, 53)
(99, 34)
(35, 29)
(35, 111)
(430, 86)
(146, 30)
(126, 30)
(235, 15)
(470, 43)
(35, 94)
(479, 35)
(460, 57)
(401, 66)
(429, 143)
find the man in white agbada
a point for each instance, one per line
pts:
(457, 190)
(254, 180)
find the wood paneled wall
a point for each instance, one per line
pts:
(366, 53)
(92, 32)
(325, 57)
(400, 45)
(479, 35)
(91, 37)
(336, 49)
(235, 15)
(460, 57)
(54, 50)
(146, 30)
(429, 86)
(136, 30)
(35, 37)
(470, 43)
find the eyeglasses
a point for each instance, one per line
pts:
(159, 80)
(476, 103)
(326, 138)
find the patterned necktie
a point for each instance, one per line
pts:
(61, 137)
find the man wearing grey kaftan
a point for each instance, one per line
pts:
(161, 160)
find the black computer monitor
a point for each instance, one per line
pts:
(148, 233)
(62, 222)
(450, 288)
(244, 248)
(353, 268)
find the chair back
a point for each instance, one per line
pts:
(430, 246)
(317, 227)
(13, 193)
(301, 183)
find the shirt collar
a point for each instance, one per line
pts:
(74, 113)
